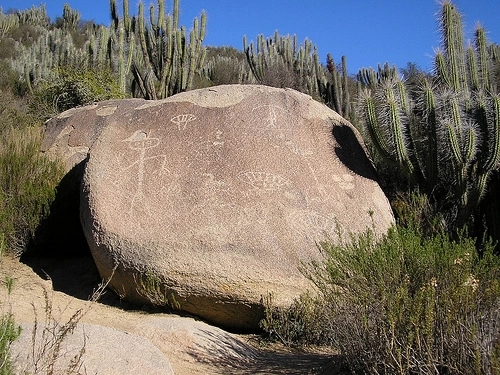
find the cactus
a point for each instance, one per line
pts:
(169, 55)
(448, 137)
(278, 61)
(7, 22)
(35, 16)
(334, 88)
(70, 18)
(54, 48)
(122, 43)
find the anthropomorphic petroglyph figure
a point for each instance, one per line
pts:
(141, 142)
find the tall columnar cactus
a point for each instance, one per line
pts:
(448, 138)
(71, 18)
(280, 61)
(34, 16)
(170, 57)
(7, 22)
(121, 43)
(38, 62)
(333, 88)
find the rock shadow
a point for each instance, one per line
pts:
(236, 357)
(351, 153)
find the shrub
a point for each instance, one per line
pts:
(74, 87)
(27, 184)
(8, 329)
(406, 304)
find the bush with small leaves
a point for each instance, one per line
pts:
(409, 304)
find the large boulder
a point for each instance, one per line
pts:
(210, 199)
(69, 137)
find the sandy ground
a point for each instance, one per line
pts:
(191, 346)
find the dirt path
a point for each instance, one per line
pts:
(191, 346)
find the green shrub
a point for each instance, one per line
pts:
(300, 324)
(74, 87)
(405, 304)
(27, 185)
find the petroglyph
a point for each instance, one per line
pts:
(345, 181)
(265, 181)
(218, 138)
(140, 141)
(292, 146)
(271, 113)
(106, 110)
(183, 120)
(313, 223)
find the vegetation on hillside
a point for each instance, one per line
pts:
(425, 298)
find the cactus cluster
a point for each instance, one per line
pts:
(34, 16)
(171, 57)
(71, 18)
(151, 56)
(279, 61)
(7, 22)
(38, 62)
(445, 136)
(333, 87)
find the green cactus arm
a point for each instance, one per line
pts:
(481, 45)
(113, 13)
(372, 124)
(453, 143)
(346, 99)
(441, 71)
(121, 61)
(451, 25)
(395, 124)
(175, 13)
(161, 14)
(493, 159)
(472, 68)
(142, 37)
(430, 121)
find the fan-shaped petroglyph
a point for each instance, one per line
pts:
(142, 143)
(183, 120)
(265, 181)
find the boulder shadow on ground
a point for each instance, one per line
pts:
(237, 357)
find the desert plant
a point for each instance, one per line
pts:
(73, 87)
(152, 289)
(445, 135)
(35, 16)
(405, 304)
(225, 70)
(27, 180)
(121, 43)
(335, 86)
(49, 335)
(7, 22)
(171, 58)
(9, 331)
(300, 324)
(280, 62)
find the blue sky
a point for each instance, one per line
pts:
(367, 32)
